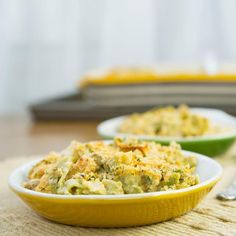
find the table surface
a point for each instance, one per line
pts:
(21, 138)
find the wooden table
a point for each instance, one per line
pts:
(21, 136)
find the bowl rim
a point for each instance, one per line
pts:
(16, 187)
(226, 135)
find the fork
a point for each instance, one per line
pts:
(229, 193)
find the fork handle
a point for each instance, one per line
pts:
(229, 193)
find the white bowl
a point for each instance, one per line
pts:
(210, 145)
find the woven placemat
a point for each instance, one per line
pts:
(211, 217)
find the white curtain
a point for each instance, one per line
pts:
(45, 46)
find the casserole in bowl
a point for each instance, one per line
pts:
(119, 210)
(209, 144)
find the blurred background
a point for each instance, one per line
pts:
(46, 46)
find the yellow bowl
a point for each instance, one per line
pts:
(118, 210)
